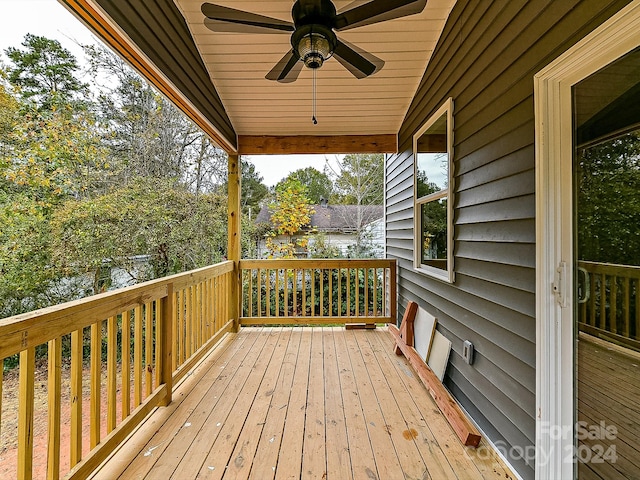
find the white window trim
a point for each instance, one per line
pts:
(555, 393)
(447, 275)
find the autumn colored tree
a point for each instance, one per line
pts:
(291, 217)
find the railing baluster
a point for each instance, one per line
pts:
(603, 301)
(348, 292)
(592, 299)
(75, 449)
(137, 357)
(366, 292)
(25, 413)
(286, 292)
(126, 364)
(321, 309)
(375, 292)
(312, 275)
(625, 308)
(249, 276)
(277, 292)
(330, 291)
(260, 292)
(339, 292)
(148, 349)
(95, 382)
(303, 309)
(54, 395)
(112, 350)
(613, 304)
(294, 286)
(267, 280)
(174, 333)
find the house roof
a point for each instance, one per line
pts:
(218, 79)
(335, 218)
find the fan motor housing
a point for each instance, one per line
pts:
(307, 12)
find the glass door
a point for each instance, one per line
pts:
(606, 119)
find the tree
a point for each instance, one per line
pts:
(146, 134)
(359, 180)
(45, 72)
(254, 190)
(319, 185)
(46, 157)
(174, 229)
(290, 214)
(609, 201)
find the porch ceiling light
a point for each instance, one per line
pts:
(314, 44)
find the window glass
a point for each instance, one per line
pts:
(432, 193)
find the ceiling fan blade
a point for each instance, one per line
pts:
(359, 62)
(376, 11)
(287, 69)
(226, 19)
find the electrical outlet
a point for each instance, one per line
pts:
(467, 352)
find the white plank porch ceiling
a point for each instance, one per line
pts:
(237, 64)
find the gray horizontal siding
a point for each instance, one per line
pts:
(485, 60)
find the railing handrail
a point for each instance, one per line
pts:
(40, 326)
(631, 271)
(318, 263)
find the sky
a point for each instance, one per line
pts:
(50, 19)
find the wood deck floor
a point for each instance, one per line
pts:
(312, 403)
(609, 392)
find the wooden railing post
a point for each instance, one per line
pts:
(233, 244)
(165, 342)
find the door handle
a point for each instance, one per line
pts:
(584, 285)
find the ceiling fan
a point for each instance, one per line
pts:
(313, 39)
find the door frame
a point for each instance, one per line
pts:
(555, 391)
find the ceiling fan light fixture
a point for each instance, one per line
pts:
(314, 49)
(314, 44)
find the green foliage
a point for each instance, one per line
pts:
(175, 229)
(253, 190)
(25, 272)
(608, 189)
(290, 214)
(319, 185)
(321, 248)
(44, 72)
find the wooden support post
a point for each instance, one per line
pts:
(165, 343)
(233, 243)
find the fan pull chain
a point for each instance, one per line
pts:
(313, 115)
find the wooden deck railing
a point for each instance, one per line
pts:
(127, 346)
(609, 305)
(314, 291)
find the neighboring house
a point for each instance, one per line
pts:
(340, 225)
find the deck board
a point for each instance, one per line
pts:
(608, 391)
(301, 403)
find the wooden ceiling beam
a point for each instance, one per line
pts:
(310, 144)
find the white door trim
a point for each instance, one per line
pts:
(555, 416)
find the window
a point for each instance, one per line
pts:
(433, 163)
